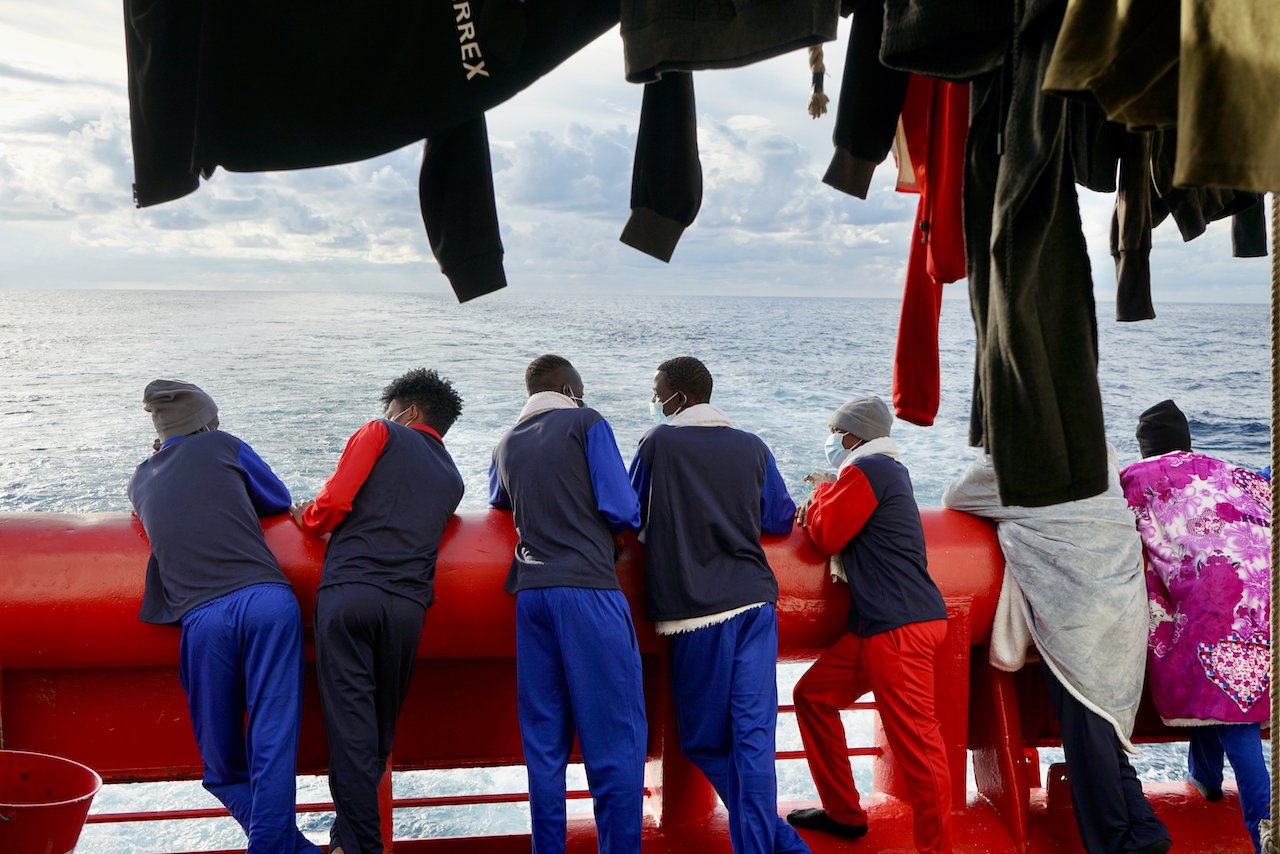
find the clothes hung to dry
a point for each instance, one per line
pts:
(1147, 196)
(933, 128)
(666, 177)
(659, 36)
(926, 120)
(1207, 66)
(1036, 407)
(663, 41)
(260, 86)
(869, 104)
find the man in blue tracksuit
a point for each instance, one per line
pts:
(199, 497)
(706, 492)
(577, 662)
(386, 506)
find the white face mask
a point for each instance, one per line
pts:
(568, 392)
(835, 449)
(656, 409)
(395, 419)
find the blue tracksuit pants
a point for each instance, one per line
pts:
(1241, 744)
(578, 668)
(724, 679)
(242, 652)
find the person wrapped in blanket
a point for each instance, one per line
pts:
(1073, 589)
(1206, 525)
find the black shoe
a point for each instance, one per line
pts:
(1154, 848)
(815, 819)
(1205, 792)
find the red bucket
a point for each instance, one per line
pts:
(43, 802)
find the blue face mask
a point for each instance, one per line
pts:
(836, 451)
(656, 410)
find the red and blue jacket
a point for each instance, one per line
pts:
(387, 503)
(869, 516)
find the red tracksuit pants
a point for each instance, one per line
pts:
(898, 666)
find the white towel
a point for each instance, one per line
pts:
(545, 401)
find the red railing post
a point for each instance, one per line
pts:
(686, 799)
(384, 808)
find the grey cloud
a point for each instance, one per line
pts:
(49, 125)
(584, 170)
(236, 208)
(256, 241)
(14, 72)
(172, 218)
(18, 212)
(350, 239)
(295, 217)
(394, 218)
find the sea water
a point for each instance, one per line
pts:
(294, 374)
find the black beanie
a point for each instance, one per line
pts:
(1163, 428)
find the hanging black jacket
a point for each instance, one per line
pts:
(659, 36)
(269, 84)
(871, 98)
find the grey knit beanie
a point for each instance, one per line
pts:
(865, 417)
(177, 408)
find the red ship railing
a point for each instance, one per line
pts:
(82, 678)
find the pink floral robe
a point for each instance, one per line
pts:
(1206, 525)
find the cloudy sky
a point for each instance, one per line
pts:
(562, 153)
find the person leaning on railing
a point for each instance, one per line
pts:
(1206, 527)
(707, 491)
(387, 503)
(199, 497)
(867, 519)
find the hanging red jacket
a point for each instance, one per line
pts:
(930, 146)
